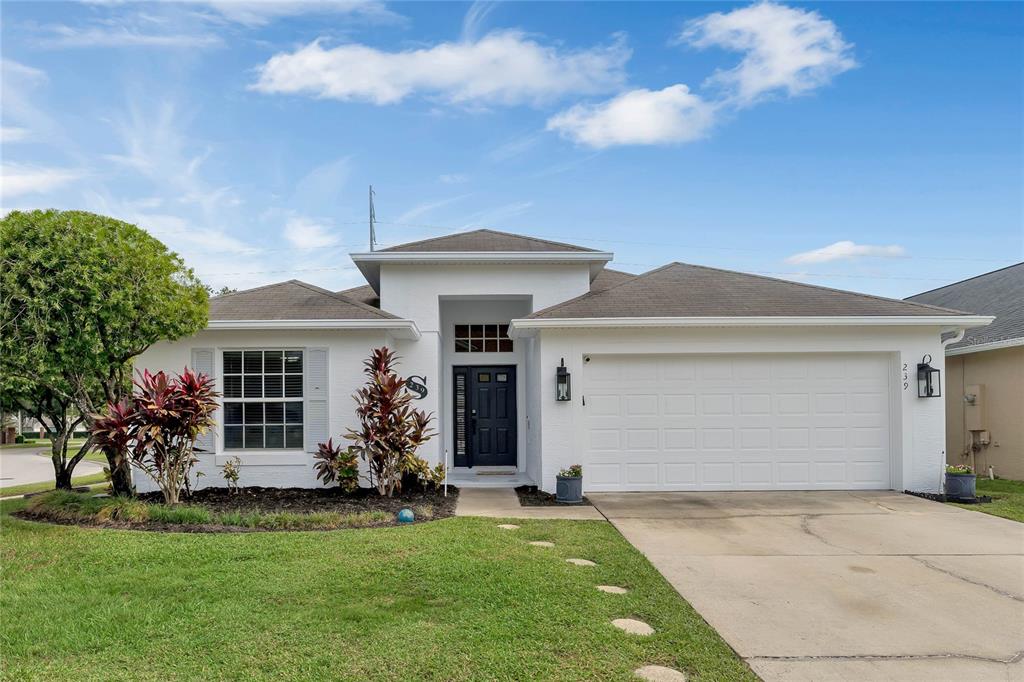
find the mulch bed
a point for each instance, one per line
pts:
(532, 496)
(270, 500)
(942, 497)
(306, 500)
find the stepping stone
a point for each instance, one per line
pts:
(508, 526)
(612, 589)
(633, 627)
(659, 673)
(581, 562)
(542, 543)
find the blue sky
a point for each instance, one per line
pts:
(873, 147)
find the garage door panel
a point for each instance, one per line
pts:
(756, 474)
(739, 422)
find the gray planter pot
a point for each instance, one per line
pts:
(569, 490)
(961, 486)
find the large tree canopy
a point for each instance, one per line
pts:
(83, 294)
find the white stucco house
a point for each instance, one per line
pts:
(681, 378)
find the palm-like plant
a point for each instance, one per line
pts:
(157, 429)
(391, 430)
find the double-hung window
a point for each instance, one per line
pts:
(263, 399)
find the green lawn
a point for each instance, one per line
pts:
(1007, 498)
(26, 488)
(452, 599)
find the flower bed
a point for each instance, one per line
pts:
(248, 509)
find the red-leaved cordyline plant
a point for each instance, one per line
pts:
(114, 433)
(391, 430)
(158, 428)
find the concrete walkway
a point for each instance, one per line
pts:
(503, 503)
(841, 586)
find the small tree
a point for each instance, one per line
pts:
(55, 410)
(391, 430)
(83, 295)
(158, 428)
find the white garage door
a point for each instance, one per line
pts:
(736, 422)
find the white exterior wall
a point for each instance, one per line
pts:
(271, 468)
(434, 295)
(412, 291)
(482, 311)
(917, 424)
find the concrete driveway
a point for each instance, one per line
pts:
(841, 586)
(33, 465)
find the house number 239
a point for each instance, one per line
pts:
(906, 377)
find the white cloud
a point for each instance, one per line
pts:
(303, 233)
(23, 73)
(125, 36)
(17, 180)
(426, 207)
(493, 216)
(672, 115)
(503, 67)
(262, 12)
(785, 49)
(846, 250)
(475, 17)
(514, 147)
(11, 134)
(453, 178)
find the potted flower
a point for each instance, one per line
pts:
(569, 488)
(960, 482)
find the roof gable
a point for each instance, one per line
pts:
(999, 293)
(291, 300)
(683, 290)
(483, 241)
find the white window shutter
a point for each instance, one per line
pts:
(202, 363)
(317, 422)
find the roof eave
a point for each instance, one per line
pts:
(399, 328)
(982, 347)
(529, 326)
(369, 262)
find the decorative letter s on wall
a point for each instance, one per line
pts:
(418, 385)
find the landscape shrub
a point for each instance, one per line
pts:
(391, 430)
(158, 426)
(334, 463)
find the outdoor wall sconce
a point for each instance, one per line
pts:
(563, 391)
(928, 383)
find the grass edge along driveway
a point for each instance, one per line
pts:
(1007, 498)
(452, 599)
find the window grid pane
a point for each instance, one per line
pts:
(254, 424)
(482, 338)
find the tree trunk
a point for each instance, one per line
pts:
(120, 476)
(58, 455)
(63, 476)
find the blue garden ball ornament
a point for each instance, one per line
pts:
(406, 516)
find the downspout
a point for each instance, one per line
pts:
(956, 338)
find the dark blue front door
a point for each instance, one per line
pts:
(485, 415)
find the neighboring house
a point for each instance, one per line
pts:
(985, 373)
(682, 378)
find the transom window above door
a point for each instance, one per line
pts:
(482, 338)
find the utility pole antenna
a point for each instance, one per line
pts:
(373, 219)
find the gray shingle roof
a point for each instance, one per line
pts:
(682, 290)
(607, 278)
(999, 293)
(364, 294)
(484, 240)
(291, 300)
